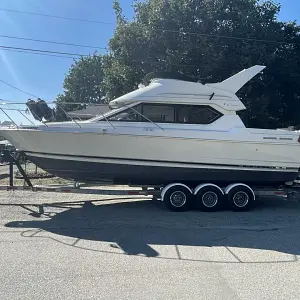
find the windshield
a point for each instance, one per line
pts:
(118, 114)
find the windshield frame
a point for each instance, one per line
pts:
(113, 112)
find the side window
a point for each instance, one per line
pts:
(197, 115)
(128, 115)
(159, 113)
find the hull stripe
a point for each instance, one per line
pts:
(156, 162)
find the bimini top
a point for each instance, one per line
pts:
(181, 90)
(167, 75)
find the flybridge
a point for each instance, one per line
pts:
(185, 90)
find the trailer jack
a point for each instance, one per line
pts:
(15, 160)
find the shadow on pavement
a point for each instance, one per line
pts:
(136, 225)
(3, 176)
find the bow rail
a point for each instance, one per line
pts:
(48, 112)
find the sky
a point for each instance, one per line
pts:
(43, 75)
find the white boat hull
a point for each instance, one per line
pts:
(92, 156)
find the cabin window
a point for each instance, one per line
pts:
(163, 113)
(159, 113)
(190, 114)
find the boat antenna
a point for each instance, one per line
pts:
(212, 95)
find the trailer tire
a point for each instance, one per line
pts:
(178, 198)
(209, 199)
(241, 198)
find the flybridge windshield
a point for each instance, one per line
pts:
(166, 113)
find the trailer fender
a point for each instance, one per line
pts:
(166, 188)
(201, 186)
(231, 186)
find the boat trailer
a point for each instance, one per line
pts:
(289, 192)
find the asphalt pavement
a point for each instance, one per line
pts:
(62, 246)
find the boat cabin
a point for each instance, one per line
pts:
(165, 98)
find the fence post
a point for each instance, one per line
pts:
(11, 173)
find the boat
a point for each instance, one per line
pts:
(172, 128)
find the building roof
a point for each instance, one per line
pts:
(5, 142)
(6, 123)
(90, 111)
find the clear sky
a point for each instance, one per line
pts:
(43, 75)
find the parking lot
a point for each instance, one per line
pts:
(62, 246)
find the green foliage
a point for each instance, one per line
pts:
(191, 37)
(84, 82)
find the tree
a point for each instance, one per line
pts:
(83, 83)
(211, 40)
(208, 39)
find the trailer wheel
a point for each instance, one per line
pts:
(177, 198)
(209, 198)
(241, 198)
